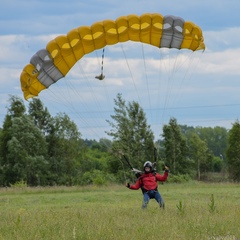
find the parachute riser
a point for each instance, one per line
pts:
(136, 171)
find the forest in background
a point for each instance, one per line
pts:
(37, 149)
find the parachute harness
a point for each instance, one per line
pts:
(101, 76)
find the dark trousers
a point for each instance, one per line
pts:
(150, 195)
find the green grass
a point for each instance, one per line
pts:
(193, 211)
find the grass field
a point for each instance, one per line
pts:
(193, 211)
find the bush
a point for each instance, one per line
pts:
(96, 177)
(181, 178)
(86, 179)
(19, 184)
(99, 180)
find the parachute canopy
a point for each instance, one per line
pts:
(49, 65)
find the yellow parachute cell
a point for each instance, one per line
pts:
(51, 64)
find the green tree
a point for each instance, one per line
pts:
(26, 152)
(64, 149)
(175, 148)
(233, 152)
(16, 109)
(216, 141)
(216, 138)
(218, 164)
(198, 151)
(131, 134)
(40, 115)
(105, 144)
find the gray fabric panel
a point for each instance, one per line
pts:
(177, 33)
(172, 32)
(48, 73)
(167, 32)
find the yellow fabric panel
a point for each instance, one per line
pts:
(134, 27)
(187, 30)
(98, 34)
(29, 82)
(76, 43)
(122, 29)
(198, 39)
(202, 45)
(66, 51)
(146, 27)
(58, 59)
(193, 38)
(157, 27)
(111, 34)
(87, 39)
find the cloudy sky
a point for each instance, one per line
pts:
(197, 88)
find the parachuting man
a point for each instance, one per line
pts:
(148, 182)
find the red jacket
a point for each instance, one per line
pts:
(149, 181)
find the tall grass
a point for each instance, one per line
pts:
(192, 211)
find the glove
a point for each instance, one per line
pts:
(166, 169)
(128, 185)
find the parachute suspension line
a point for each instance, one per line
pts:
(66, 101)
(101, 76)
(146, 77)
(97, 102)
(119, 155)
(80, 114)
(70, 102)
(131, 74)
(171, 78)
(183, 60)
(95, 120)
(188, 61)
(159, 90)
(163, 67)
(124, 173)
(171, 69)
(86, 107)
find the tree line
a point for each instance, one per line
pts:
(43, 150)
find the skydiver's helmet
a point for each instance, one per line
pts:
(147, 164)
